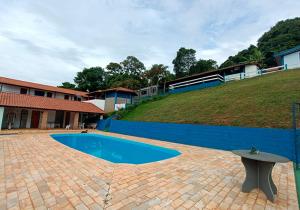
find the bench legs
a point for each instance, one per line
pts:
(259, 175)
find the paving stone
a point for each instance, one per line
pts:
(38, 172)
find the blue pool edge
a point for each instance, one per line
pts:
(171, 151)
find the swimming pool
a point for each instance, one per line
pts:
(114, 149)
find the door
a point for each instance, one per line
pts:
(35, 119)
(23, 120)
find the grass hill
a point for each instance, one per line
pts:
(263, 101)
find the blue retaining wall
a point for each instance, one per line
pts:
(196, 87)
(278, 141)
(104, 124)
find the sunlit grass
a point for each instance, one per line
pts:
(264, 101)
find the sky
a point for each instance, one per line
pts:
(49, 41)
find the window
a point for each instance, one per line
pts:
(144, 92)
(78, 99)
(23, 91)
(49, 94)
(66, 97)
(39, 93)
(75, 98)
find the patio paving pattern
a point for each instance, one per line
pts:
(36, 172)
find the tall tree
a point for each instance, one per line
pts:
(129, 73)
(67, 85)
(114, 68)
(203, 65)
(185, 58)
(127, 82)
(284, 35)
(90, 79)
(133, 66)
(252, 53)
(157, 73)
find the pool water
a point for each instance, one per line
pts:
(114, 149)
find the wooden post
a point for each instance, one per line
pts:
(44, 119)
(74, 117)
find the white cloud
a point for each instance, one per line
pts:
(49, 41)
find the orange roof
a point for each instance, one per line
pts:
(21, 83)
(39, 102)
(117, 89)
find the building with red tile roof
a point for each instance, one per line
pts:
(24, 84)
(45, 103)
(32, 105)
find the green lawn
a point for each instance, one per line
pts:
(263, 101)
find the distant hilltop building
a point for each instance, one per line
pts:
(213, 78)
(289, 58)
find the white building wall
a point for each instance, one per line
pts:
(97, 102)
(17, 89)
(18, 118)
(10, 88)
(292, 60)
(250, 71)
(28, 123)
(31, 92)
(59, 95)
(232, 77)
(1, 116)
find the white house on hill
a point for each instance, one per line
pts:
(289, 58)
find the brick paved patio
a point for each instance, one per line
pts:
(38, 172)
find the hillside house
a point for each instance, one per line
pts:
(112, 99)
(289, 58)
(213, 78)
(147, 92)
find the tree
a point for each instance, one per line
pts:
(129, 73)
(127, 83)
(284, 35)
(133, 67)
(91, 79)
(257, 57)
(156, 73)
(203, 65)
(185, 58)
(251, 54)
(67, 85)
(114, 68)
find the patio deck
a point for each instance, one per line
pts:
(38, 172)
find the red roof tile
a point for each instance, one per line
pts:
(117, 89)
(21, 83)
(38, 102)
